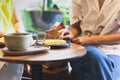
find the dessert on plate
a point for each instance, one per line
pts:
(52, 38)
(54, 33)
(53, 42)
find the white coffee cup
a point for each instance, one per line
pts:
(18, 41)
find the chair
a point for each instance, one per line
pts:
(50, 17)
(34, 23)
(38, 22)
(29, 23)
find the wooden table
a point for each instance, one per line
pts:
(52, 56)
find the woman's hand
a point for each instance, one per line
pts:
(102, 39)
(85, 40)
(78, 40)
(65, 34)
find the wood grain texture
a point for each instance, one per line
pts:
(53, 55)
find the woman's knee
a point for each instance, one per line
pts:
(95, 52)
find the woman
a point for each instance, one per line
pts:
(95, 24)
(8, 24)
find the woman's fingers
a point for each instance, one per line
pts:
(63, 33)
(67, 37)
(76, 40)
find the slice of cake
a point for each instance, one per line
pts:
(54, 32)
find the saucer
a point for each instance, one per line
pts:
(38, 49)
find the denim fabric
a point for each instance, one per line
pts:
(116, 70)
(95, 65)
(11, 71)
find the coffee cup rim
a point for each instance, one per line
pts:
(16, 34)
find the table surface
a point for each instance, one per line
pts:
(52, 55)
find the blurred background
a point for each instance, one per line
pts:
(39, 15)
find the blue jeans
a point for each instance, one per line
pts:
(11, 71)
(95, 65)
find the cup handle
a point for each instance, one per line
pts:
(35, 37)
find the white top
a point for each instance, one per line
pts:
(96, 21)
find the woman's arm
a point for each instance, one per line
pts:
(17, 23)
(75, 18)
(102, 39)
(75, 29)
